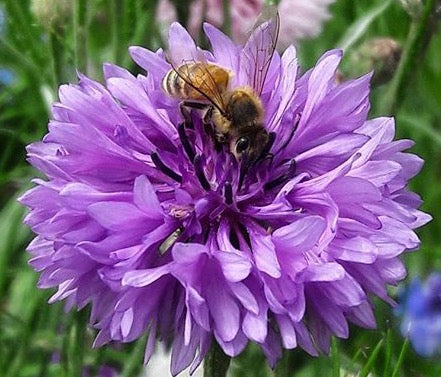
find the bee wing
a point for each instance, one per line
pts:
(202, 81)
(259, 49)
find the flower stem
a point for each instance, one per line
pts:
(116, 11)
(23, 19)
(182, 10)
(227, 17)
(420, 34)
(75, 351)
(57, 58)
(216, 363)
(80, 34)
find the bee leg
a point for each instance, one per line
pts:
(193, 105)
(208, 126)
(186, 107)
(208, 115)
(218, 138)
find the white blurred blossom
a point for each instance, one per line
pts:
(298, 18)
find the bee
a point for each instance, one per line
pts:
(237, 113)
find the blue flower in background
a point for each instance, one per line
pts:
(6, 76)
(421, 315)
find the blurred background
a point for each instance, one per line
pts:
(44, 42)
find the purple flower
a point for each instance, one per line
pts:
(421, 315)
(143, 218)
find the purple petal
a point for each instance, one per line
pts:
(234, 266)
(264, 254)
(142, 278)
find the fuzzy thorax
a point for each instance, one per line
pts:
(243, 110)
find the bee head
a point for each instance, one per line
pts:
(248, 148)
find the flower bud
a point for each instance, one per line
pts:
(51, 13)
(381, 55)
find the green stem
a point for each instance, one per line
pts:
(57, 58)
(401, 358)
(182, 10)
(21, 14)
(30, 318)
(227, 17)
(129, 24)
(388, 355)
(335, 355)
(216, 363)
(80, 34)
(116, 12)
(74, 344)
(420, 34)
(272, 2)
(145, 31)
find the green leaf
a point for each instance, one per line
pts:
(13, 235)
(401, 358)
(388, 353)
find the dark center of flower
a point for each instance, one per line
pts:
(221, 184)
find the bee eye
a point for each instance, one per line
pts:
(242, 144)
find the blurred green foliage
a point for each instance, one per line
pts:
(37, 339)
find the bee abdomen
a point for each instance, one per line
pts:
(173, 85)
(176, 86)
(196, 81)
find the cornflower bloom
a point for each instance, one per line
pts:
(142, 217)
(420, 308)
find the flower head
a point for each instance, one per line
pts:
(421, 315)
(144, 218)
(299, 18)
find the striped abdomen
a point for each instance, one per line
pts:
(182, 82)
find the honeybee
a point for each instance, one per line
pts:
(237, 113)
